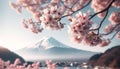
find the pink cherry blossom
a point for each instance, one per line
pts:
(92, 39)
(77, 39)
(1, 64)
(115, 17)
(7, 63)
(116, 3)
(99, 5)
(118, 35)
(50, 15)
(13, 5)
(109, 28)
(55, 1)
(17, 61)
(24, 24)
(104, 43)
(37, 15)
(101, 15)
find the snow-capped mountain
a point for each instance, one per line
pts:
(48, 42)
(50, 48)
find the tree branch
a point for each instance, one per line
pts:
(76, 10)
(102, 10)
(75, 3)
(111, 30)
(102, 21)
(114, 35)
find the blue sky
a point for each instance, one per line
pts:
(14, 36)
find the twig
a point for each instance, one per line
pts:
(111, 30)
(75, 3)
(114, 35)
(106, 9)
(76, 10)
(98, 28)
(102, 10)
(102, 21)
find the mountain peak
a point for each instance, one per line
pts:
(48, 38)
(48, 42)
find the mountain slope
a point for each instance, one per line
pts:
(50, 48)
(110, 58)
(6, 55)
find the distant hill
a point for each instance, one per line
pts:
(110, 58)
(6, 55)
(50, 48)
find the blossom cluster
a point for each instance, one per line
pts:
(99, 5)
(17, 65)
(118, 35)
(48, 14)
(114, 26)
(80, 31)
(34, 26)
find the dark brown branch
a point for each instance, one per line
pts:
(102, 21)
(74, 4)
(76, 10)
(114, 35)
(102, 10)
(105, 10)
(111, 30)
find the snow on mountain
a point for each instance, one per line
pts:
(50, 48)
(48, 42)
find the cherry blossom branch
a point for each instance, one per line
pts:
(74, 4)
(102, 21)
(114, 35)
(76, 10)
(111, 29)
(102, 10)
(105, 10)
(48, 14)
